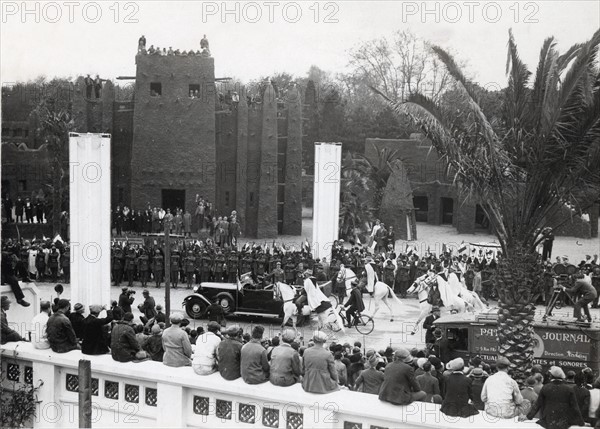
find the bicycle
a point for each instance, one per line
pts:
(363, 324)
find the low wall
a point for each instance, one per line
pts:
(19, 317)
(149, 394)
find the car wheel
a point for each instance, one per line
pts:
(195, 308)
(226, 302)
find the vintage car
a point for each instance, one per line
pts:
(236, 299)
(565, 344)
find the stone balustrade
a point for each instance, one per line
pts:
(149, 394)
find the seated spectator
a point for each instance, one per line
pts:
(501, 393)
(341, 369)
(285, 361)
(527, 391)
(581, 393)
(478, 376)
(39, 325)
(399, 384)
(274, 343)
(176, 344)
(458, 392)
(429, 384)
(204, 361)
(320, 375)
(61, 335)
(154, 346)
(253, 361)
(357, 365)
(557, 402)
(140, 335)
(229, 352)
(76, 317)
(95, 334)
(370, 379)
(123, 344)
(8, 335)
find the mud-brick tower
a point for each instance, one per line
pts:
(173, 153)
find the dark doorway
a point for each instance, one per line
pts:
(447, 210)
(173, 199)
(481, 220)
(421, 205)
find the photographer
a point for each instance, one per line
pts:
(582, 287)
(126, 299)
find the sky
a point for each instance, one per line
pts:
(253, 39)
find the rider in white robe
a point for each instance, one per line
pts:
(371, 277)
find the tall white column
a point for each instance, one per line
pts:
(89, 161)
(326, 204)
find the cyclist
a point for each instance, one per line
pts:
(355, 305)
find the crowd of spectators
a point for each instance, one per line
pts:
(397, 375)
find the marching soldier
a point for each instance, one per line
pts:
(246, 264)
(158, 267)
(130, 265)
(175, 268)
(219, 266)
(143, 264)
(259, 266)
(206, 267)
(53, 257)
(402, 277)
(40, 264)
(232, 267)
(190, 268)
(117, 265)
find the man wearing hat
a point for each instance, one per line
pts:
(428, 326)
(458, 392)
(8, 334)
(126, 299)
(354, 305)
(153, 345)
(61, 335)
(557, 402)
(148, 307)
(320, 375)
(176, 344)
(370, 380)
(229, 353)
(501, 394)
(204, 361)
(124, 347)
(95, 333)
(76, 317)
(400, 386)
(285, 361)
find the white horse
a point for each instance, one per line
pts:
(381, 291)
(421, 288)
(327, 317)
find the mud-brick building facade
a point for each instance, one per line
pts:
(437, 201)
(168, 146)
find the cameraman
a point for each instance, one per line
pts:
(583, 288)
(125, 299)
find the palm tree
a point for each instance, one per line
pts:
(525, 166)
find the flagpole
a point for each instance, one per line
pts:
(167, 267)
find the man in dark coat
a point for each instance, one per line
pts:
(354, 305)
(61, 335)
(400, 386)
(148, 307)
(77, 320)
(95, 332)
(124, 346)
(458, 392)
(588, 294)
(125, 300)
(558, 404)
(229, 354)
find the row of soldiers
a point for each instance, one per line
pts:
(209, 263)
